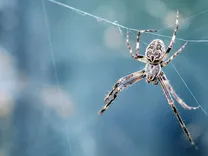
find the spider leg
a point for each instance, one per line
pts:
(174, 34)
(137, 56)
(122, 80)
(171, 103)
(114, 93)
(178, 99)
(163, 64)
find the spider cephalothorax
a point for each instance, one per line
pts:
(152, 72)
(155, 51)
(155, 59)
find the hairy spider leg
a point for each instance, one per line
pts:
(122, 80)
(140, 75)
(171, 103)
(174, 34)
(137, 56)
(163, 64)
(177, 98)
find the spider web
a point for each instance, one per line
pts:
(120, 28)
(115, 23)
(133, 30)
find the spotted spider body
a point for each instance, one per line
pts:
(154, 59)
(155, 52)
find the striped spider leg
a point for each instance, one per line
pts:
(174, 34)
(163, 64)
(167, 91)
(119, 82)
(177, 98)
(137, 56)
(122, 83)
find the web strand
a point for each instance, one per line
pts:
(115, 23)
(54, 65)
(192, 16)
(50, 44)
(69, 141)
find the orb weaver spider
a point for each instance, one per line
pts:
(154, 59)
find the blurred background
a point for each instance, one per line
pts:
(57, 65)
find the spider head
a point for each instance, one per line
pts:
(155, 51)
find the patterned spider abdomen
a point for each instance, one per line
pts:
(152, 71)
(155, 51)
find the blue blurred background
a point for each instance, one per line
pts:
(57, 65)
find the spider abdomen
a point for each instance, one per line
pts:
(155, 51)
(152, 71)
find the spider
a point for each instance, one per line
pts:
(155, 56)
